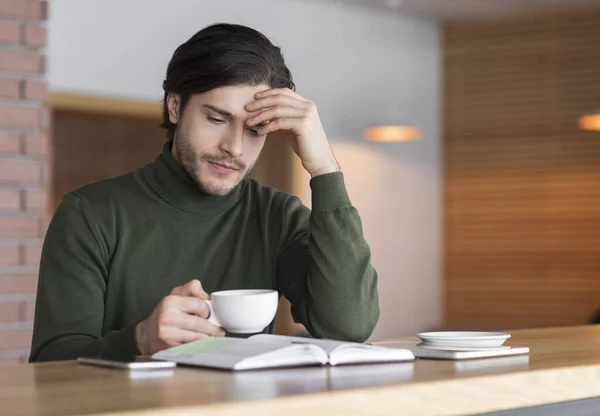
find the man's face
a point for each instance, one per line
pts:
(212, 141)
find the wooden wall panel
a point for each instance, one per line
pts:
(89, 147)
(522, 194)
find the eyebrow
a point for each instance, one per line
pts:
(229, 115)
(224, 113)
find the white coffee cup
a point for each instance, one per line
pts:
(243, 311)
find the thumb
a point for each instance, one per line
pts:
(192, 288)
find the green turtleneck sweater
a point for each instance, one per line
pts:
(115, 248)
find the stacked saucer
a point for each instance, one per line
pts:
(463, 340)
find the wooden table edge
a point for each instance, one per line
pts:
(459, 396)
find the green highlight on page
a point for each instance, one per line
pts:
(203, 346)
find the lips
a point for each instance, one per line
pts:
(223, 168)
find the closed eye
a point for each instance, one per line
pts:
(254, 131)
(216, 120)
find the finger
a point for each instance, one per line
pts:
(196, 324)
(187, 304)
(281, 124)
(213, 330)
(195, 306)
(182, 336)
(278, 91)
(192, 288)
(276, 100)
(274, 113)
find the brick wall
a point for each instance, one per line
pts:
(24, 174)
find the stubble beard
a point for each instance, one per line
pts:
(191, 165)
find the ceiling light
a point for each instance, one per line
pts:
(392, 133)
(590, 122)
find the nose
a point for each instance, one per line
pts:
(233, 145)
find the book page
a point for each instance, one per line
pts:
(340, 352)
(215, 352)
(328, 345)
(238, 353)
(349, 354)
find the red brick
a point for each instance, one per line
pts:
(10, 199)
(18, 284)
(10, 143)
(46, 118)
(16, 116)
(19, 227)
(31, 9)
(9, 256)
(47, 174)
(10, 311)
(29, 310)
(36, 144)
(35, 90)
(44, 10)
(20, 171)
(13, 339)
(35, 199)
(11, 360)
(9, 32)
(9, 87)
(43, 229)
(26, 61)
(34, 35)
(33, 253)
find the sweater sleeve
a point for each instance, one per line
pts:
(324, 269)
(69, 308)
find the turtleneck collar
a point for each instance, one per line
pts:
(172, 183)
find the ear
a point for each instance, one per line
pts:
(173, 104)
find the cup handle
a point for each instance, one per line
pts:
(211, 314)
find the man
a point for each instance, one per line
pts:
(127, 262)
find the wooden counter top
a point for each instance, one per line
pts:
(564, 364)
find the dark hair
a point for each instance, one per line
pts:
(222, 55)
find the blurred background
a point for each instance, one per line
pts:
(480, 202)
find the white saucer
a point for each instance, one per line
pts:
(464, 339)
(450, 348)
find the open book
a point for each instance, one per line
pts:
(268, 351)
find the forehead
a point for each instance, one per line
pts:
(232, 98)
